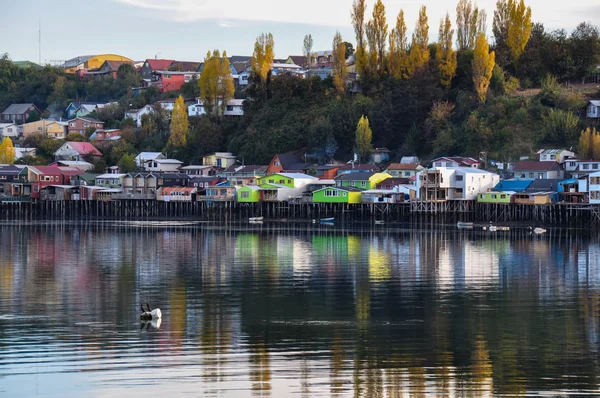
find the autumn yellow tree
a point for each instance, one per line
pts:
(358, 22)
(419, 50)
(263, 55)
(338, 70)
(445, 54)
(377, 31)
(589, 144)
(7, 151)
(216, 83)
(398, 48)
(470, 21)
(519, 28)
(225, 87)
(179, 125)
(364, 135)
(483, 64)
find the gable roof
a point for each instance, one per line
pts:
(288, 159)
(532, 165)
(354, 176)
(84, 148)
(512, 185)
(394, 181)
(87, 119)
(298, 59)
(18, 109)
(158, 64)
(462, 161)
(115, 65)
(294, 175)
(148, 155)
(595, 102)
(403, 166)
(184, 66)
(239, 58)
(544, 185)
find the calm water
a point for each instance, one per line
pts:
(320, 312)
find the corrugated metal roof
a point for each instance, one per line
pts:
(17, 109)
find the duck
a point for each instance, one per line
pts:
(537, 230)
(149, 314)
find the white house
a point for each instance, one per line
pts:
(234, 107)
(594, 187)
(593, 109)
(163, 165)
(281, 185)
(167, 104)
(582, 168)
(136, 114)
(455, 161)
(556, 155)
(144, 157)
(244, 77)
(9, 130)
(72, 150)
(458, 183)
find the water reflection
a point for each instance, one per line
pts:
(311, 312)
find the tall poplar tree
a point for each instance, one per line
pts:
(364, 135)
(307, 49)
(419, 50)
(262, 58)
(445, 55)
(380, 31)
(226, 88)
(470, 21)
(179, 125)
(483, 64)
(358, 23)
(398, 48)
(519, 28)
(339, 63)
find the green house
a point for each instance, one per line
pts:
(494, 197)
(248, 194)
(289, 180)
(337, 195)
(360, 180)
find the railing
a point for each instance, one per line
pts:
(133, 196)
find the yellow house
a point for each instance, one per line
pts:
(91, 62)
(49, 128)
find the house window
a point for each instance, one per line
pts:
(494, 196)
(276, 163)
(289, 181)
(363, 184)
(595, 166)
(572, 164)
(522, 175)
(459, 178)
(245, 77)
(282, 181)
(586, 166)
(332, 193)
(502, 196)
(245, 195)
(229, 108)
(540, 175)
(407, 174)
(271, 181)
(530, 175)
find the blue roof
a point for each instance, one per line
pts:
(512, 185)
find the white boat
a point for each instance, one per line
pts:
(462, 224)
(256, 218)
(539, 231)
(379, 222)
(327, 219)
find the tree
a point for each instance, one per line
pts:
(519, 28)
(483, 66)
(225, 89)
(7, 151)
(364, 135)
(585, 49)
(338, 71)
(349, 49)
(262, 58)
(321, 143)
(379, 32)
(358, 22)
(589, 144)
(560, 126)
(34, 116)
(398, 48)
(419, 51)
(469, 22)
(307, 49)
(179, 125)
(127, 163)
(216, 83)
(500, 30)
(75, 137)
(445, 55)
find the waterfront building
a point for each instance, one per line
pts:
(337, 195)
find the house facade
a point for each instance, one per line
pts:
(593, 109)
(532, 170)
(337, 195)
(594, 188)
(80, 124)
(136, 114)
(403, 170)
(167, 81)
(288, 163)
(234, 108)
(144, 157)
(151, 65)
(110, 180)
(19, 113)
(556, 155)
(455, 161)
(219, 159)
(162, 165)
(9, 130)
(48, 128)
(459, 183)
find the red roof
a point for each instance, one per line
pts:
(532, 165)
(403, 166)
(159, 64)
(84, 148)
(46, 169)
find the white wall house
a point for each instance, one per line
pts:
(144, 157)
(593, 109)
(9, 130)
(163, 165)
(455, 161)
(244, 78)
(582, 168)
(594, 188)
(136, 114)
(234, 107)
(460, 183)
(556, 155)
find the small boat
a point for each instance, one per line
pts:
(255, 222)
(256, 218)
(538, 230)
(327, 219)
(379, 222)
(148, 315)
(462, 224)
(493, 228)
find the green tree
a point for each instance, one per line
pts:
(75, 137)
(560, 126)
(483, 66)
(7, 151)
(585, 50)
(127, 163)
(179, 126)
(363, 138)
(34, 116)
(307, 49)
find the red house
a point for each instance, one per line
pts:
(171, 80)
(42, 176)
(151, 65)
(80, 124)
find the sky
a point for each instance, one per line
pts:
(186, 29)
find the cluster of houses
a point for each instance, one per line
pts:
(558, 176)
